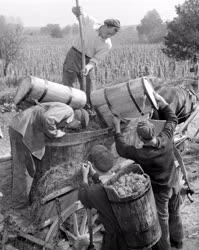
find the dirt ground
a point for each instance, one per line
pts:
(190, 211)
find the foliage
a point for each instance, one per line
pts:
(71, 29)
(43, 56)
(182, 40)
(151, 29)
(126, 36)
(56, 32)
(53, 30)
(11, 40)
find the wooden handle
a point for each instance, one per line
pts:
(82, 46)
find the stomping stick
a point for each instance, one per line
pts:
(83, 47)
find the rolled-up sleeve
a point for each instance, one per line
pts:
(101, 51)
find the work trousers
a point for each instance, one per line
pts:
(72, 71)
(22, 170)
(168, 208)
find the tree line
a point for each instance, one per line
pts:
(150, 30)
(54, 30)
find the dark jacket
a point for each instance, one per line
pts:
(94, 196)
(157, 161)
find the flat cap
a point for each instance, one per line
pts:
(113, 23)
(145, 130)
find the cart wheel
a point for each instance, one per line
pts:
(74, 229)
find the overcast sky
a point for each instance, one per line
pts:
(41, 12)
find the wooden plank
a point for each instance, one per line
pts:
(56, 194)
(71, 139)
(36, 240)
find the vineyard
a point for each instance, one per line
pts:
(43, 57)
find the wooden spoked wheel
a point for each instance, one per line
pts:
(73, 229)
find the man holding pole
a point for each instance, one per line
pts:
(95, 45)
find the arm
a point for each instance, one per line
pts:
(84, 188)
(94, 175)
(123, 149)
(85, 191)
(171, 121)
(101, 52)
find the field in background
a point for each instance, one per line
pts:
(44, 56)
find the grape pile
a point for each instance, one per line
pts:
(130, 184)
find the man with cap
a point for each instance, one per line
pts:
(156, 157)
(94, 196)
(97, 44)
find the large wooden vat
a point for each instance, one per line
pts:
(136, 214)
(67, 152)
(129, 99)
(33, 88)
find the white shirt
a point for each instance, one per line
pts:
(95, 46)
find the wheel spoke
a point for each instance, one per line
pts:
(95, 217)
(83, 223)
(97, 228)
(75, 225)
(68, 233)
(97, 239)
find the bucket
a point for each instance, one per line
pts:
(128, 100)
(136, 214)
(33, 88)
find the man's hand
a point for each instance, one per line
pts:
(85, 170)
(92, 170)
(160, 100)
(116, 123)
(77, 11)
(87, 69)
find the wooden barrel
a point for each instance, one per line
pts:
(129, 99)
(33, 88)
(136, 214)
(64, 153)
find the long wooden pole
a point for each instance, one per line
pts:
(83, 46)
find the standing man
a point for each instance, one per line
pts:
(97, 44)
(156, 157)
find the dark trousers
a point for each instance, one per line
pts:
(72, 71)
(22, 170)
(168, 208)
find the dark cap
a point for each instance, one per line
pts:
(101, 157)
(112, 23)
(146, 130)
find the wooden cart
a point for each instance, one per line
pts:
(64, 220)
